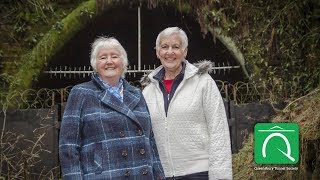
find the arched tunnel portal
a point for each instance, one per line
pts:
(131, 25)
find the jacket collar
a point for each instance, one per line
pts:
(190, 70)
(131, 98)
(160, 75)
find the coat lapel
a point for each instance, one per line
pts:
(131, 97)
(130, 100)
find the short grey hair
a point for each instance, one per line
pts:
(168, 32)
(108, 43)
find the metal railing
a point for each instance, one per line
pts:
(85, 71)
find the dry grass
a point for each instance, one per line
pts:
(20, 155)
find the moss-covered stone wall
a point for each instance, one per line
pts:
(34, 61)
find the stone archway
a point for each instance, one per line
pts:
(77, 20)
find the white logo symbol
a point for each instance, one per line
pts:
(288, 153)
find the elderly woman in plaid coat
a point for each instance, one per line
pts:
(106, 130)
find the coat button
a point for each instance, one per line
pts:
(139, 132)
(144, 172)
(127, 173)
(122, 134)
(124, 153)
(142, 151)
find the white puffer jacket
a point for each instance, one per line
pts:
(194, 137)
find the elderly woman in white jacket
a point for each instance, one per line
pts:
(187, 113)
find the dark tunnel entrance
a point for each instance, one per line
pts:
(121, 22)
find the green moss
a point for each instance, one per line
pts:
(33, 62)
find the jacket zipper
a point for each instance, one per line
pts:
(167, 138)
(170, 156)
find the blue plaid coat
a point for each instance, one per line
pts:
(103, 138)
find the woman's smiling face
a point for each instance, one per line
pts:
(171, 53)
(109, 65)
